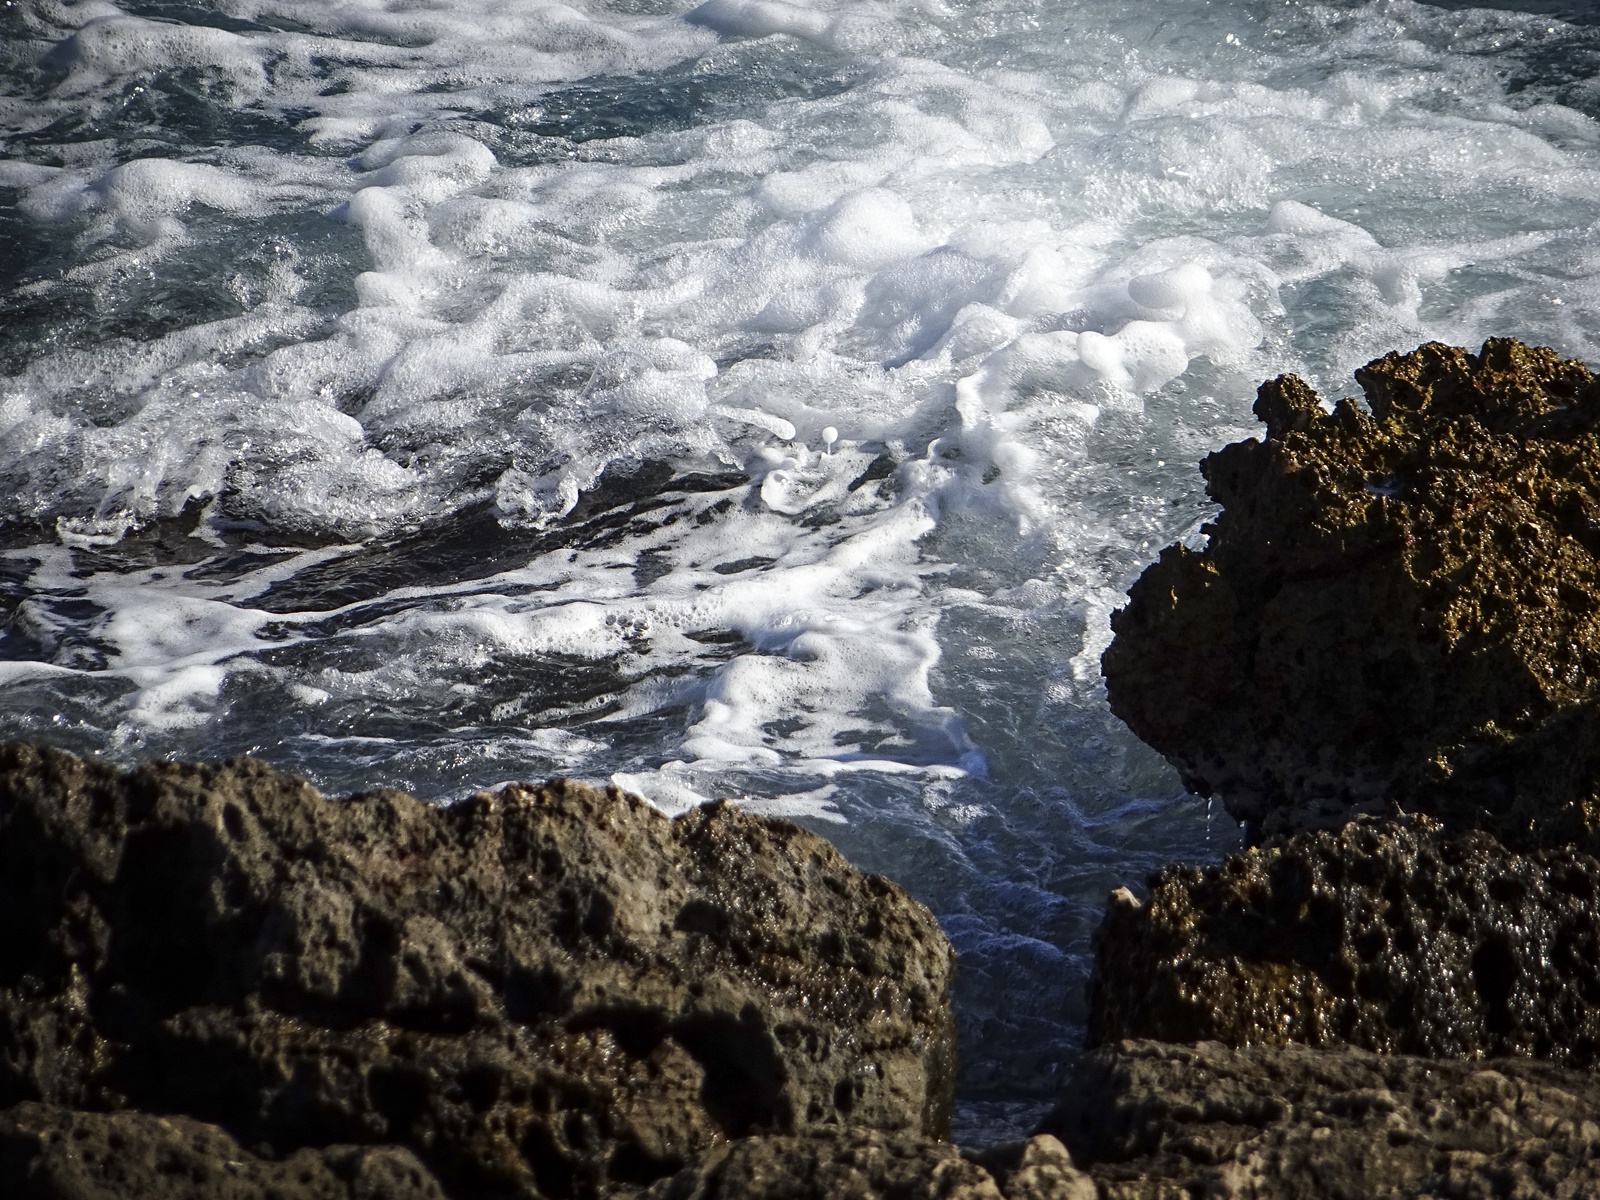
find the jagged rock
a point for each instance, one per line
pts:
(868, 1165)
(1039, 1168)
(545, 991)
(1395, 607)
(1149, 1121)
(1385, 935)
(49, 1153)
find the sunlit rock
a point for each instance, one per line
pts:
(1389, 936)
(1399, 605)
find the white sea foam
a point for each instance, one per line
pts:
(981, 258)
(114, 46)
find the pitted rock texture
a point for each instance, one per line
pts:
(1398, 607)
(49, 1153)
(1390, 936)
(1150, 1121)
(867, 1165)
(542, 992)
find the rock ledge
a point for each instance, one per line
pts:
(550, 991)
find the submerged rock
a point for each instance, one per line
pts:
(1158, 1122)
(1389, 936)
(546, 991)
(1396, 607)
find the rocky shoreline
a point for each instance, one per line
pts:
(1386, 662)
(216, 982)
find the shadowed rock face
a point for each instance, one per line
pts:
(1396, 607)
(545, 991)
(867, 1165)
(49, 1153)
(1158, 1122)
(1388, 936)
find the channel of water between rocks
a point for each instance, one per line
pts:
(216, 982)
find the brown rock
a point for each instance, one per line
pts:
(856, 1165)
(49, 1153)
(545, 991)
(1039, 1168)
(1389, 936)
(1149, 1121)
(1397, 607)
(868, 1165)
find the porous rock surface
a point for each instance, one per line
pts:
(1396, 607)
(49, 1153)
(1150, 1121)
(548, 991)
(1392, 936)
(869, 1165)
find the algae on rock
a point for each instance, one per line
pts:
(1397, 607)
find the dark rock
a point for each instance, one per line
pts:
(1398, 607)
(868, 1165)
(1389, 936)
(49, 1153)
(546, 991)
(1150, 1121)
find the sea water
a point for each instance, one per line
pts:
(758, 399)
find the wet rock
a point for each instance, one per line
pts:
(1150, 1121)
(1396, 607)
(1390, 936)
(49, 1153)
(546, 991)
(867, 1165)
